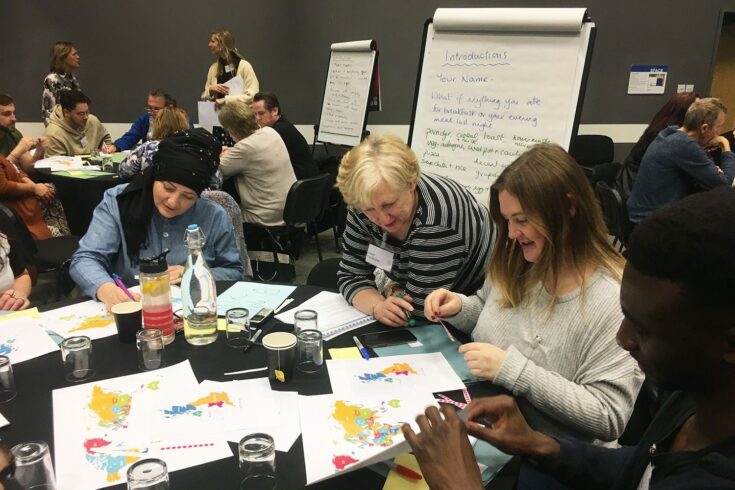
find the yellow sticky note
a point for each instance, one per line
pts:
(345, 353)
(396, 481)
(75, 173)
(29, 313)
(221, 324)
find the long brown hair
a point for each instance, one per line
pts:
(226, 41)
(558, 200)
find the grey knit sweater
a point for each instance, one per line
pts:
(565, 368)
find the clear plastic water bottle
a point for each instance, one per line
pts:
(156, 296)
(198, 292)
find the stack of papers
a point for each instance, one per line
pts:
(58, 163)
(102, 427)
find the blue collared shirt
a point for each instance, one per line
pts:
(102, 250)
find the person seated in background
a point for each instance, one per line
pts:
(229, 64)
(150, 214)
(13, 145)
(142, 128)
(671, 114)
(675, 161)
(543, 325)
(168, 121)
(259, 163)
(15, 281)
(25, 197)
(268, 113)
(678, 324)
(73, 130)
(422, 232)
(64, 60)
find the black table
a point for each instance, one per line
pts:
(31, 412)
(79, 196)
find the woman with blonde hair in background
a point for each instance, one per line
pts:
(64, 60)
(544, 323)
(228, 65)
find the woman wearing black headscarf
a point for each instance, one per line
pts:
(150, 214)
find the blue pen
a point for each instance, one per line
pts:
(121, 285)
(361, 348)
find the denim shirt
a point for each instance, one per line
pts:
(102, 250)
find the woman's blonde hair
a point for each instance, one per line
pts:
(558, 201)
(169, 120)
(238, 119)
(58, 56)
(227, 43)
(378, 158)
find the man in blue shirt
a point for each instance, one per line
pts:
(675, 163)
(141, 128)
(679, 325)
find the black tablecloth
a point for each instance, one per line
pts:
(79, 196)
(31, 412)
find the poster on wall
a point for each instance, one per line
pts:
(647, 79)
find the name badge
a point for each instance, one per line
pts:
(84, 141)
(229, 68)
(379, 257)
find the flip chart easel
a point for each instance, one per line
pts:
(346, 91)
(493, 82)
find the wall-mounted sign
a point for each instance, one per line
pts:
(647, 79)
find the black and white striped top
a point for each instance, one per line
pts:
(446, 247)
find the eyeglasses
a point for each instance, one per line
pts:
(150, 109)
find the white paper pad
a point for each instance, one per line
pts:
(207, 114)
(60, 162)
(342, 434)
(335, 315)
(235, 84)
(23, 339)
(424, 372)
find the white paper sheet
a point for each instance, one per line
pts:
(89, 318)
(427, 372)
(61, 162)
(235, 84)
(284, 424)
(23, 339)
(98, 435)
(335, 315)
(207, 114)
(342, 434)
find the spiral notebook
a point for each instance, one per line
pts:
(335, 315)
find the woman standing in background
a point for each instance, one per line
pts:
(64, 60)
(228, 65)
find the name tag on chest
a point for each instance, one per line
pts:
(84, 141)
(379, 257)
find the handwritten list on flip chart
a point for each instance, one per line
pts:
(485, 97)
(346, 93)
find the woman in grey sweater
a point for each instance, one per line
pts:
(544, 323)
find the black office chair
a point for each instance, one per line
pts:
(324, 274)
(591, 150)
(615, 213)
(50, 255)
(305, 204)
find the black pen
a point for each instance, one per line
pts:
(252, 341)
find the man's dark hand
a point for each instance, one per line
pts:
(499, 421)
(443, 450)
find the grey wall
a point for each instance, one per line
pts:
(129, 47)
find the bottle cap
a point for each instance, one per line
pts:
(154, 265)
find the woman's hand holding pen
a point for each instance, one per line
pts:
(442, 303)
(110, 294)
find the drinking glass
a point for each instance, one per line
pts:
(7, 380)
(149, 342)
(304, 320)
(148, 474)
(33, 467)
(238, 327)
(310, 347)
(76, 353)
(257, 462)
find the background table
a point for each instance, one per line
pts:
(31, 412)
(80, 196)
